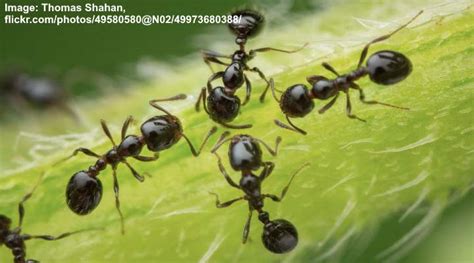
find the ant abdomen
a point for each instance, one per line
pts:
(39, 91)
(279, 236)
(296, 101)
(161, 132)
(222, 107)
(233, 76)
(83, 193)
(388, 67)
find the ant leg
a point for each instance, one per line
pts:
(68, 109)
(364, 52)
(349, 109)
(155, 105)
(231, 126)
(220, 141)
(285, 189)
(362, 98)
(265, 49)
(21, 208)
(206, 138)
(117, 200)
(227, 203)
(76, 151)
(270, 150)
(329, 105)
(248, 90)
(125, 126)
(272, 88)
(211, 56)
(106, 130)
(330, 68)
(246, 232)
(198, 102)
(134, 172)
(52, 238)
(269, 84)
(314, 78)
(225, 174)
(147, 158)
(212, 78)
(267, 170)
(292, 127)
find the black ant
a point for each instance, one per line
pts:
(84, 190)
(222, 104)
(245, 155)
(15, 240)
(383, 67)
(39, 91)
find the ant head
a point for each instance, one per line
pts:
(249, 24)
(279, 236)
(130, 146)
(296, 101)
(244, 153)
(161, 132)
(221, 106)
(83, 193)
(322, 87)
(388, 67)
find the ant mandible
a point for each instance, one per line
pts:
(84, 190)
(15, 240)
(383, 67)
(222, 104)
(245, 155)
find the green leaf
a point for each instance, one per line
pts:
(403, 166)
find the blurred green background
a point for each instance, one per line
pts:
(108, 49)
(111, 49)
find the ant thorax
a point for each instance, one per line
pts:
(251, 185)
(241, 56)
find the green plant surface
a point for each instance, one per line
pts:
(408, 164)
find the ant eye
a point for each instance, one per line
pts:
(280, 236)
(296, 102)
(83, 193)
(388, 67)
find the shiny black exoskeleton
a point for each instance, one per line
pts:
(383, 67)
(221, 104)
(14, 240)
(245, 155)
(84, 190)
